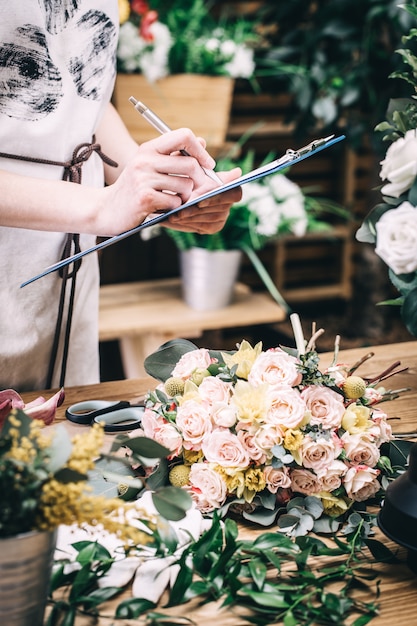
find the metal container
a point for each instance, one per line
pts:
(209, 277)
(25, 571)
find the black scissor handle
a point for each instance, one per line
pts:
(86, 412)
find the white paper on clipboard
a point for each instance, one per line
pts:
(290, 158)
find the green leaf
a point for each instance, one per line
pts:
(380, 551)
(133, 608)
(258, 572)
(98, 596)
(147, 448)
(274, 601)
(161, 363)
(172, 502)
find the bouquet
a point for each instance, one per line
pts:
(392, 225)
(185, 40)
(266, 433)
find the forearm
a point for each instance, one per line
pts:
(49, 205)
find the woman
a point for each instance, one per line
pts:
(57, 129)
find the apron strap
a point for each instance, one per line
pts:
(72, 173)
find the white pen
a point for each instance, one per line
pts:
(163, 128)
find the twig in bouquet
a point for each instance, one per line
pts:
(387, 373)
(336, 351)
(316, 334)
(298, 333)
(361, 361)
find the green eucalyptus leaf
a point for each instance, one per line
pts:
(172, 502)
(147, 448)
(326, 525)
(161, 363)
(263, 517)
(60, 449)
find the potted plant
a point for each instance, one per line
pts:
(176, 56)
(44, 484)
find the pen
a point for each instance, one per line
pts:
(163, 128)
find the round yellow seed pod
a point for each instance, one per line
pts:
(178, 475)
(354, 387)
(174, 386)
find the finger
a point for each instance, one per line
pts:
(184, 139)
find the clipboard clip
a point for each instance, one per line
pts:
(310, 147)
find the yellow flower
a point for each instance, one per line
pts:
(124, 11)
(334, 506)
(252, 402)
(244, 358)
(356, 419)
(293, 439)
(234, 478)
(192, 456)
(255, 479)
(190, 392)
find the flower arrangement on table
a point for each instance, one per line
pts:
(183, 39)
(392, 224)
(266, 433)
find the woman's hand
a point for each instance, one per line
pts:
(209, 216)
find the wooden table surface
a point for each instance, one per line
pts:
(398, 585)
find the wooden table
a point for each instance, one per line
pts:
(397, 583)
(144, 315)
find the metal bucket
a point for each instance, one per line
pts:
(25, 571)
(209, 277)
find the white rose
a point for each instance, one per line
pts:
(396, 238)
(213, 390)
(400, 165)
(287, 408)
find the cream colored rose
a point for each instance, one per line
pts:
(396, 238)
(207, 487)
(213, 390)
(287, 408)
(400, 165)
(190, 361)
(225, 448)
(224, 415)
(325, 405)
(318, 454)
(276, 478)
(356, 419)
(193, 421)
(361, 482)
(304, 481)
(360, 449)
(267, 436)
(331, 477)
(275, 368)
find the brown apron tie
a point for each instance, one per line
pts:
(72, 173)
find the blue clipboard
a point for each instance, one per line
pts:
(291, 157)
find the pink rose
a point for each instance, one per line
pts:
(247, 440)
(193, 421)
(380, 430)
(331, 478)
(190, 361)
(361, 482)
(360, 450)
(276, 478)
(304, 481)
(213, 390)
(225, 449)
(207, 487)
(325, 405)
(318, 454)
(276, 368)
(163, 432)
(287, 408)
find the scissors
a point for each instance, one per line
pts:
(116, 416)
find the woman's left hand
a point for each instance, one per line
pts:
(209, 216)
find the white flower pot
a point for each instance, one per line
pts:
(209, 277)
